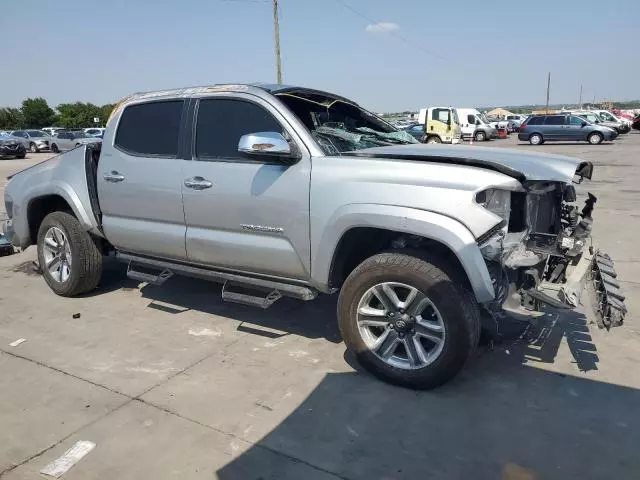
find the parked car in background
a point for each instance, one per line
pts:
(65, 140)
(34, 140)
(636, 122)
(416, 131)
(563, 127)
(11, 146)
(595, 119)
(514, 122)
(606, 116)
(95, 132)
(51, 130)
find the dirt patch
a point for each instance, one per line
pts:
(28, 268)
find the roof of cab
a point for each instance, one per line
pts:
(231, 87)
(255, 88)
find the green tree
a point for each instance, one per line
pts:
(37, 113)
(80, 115)
(11, 118)
(105, 112)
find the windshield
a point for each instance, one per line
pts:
(36, 133)
(339, 126)
(607, 117)
(590, 117)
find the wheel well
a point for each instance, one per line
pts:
(40, 208)
(360, 243)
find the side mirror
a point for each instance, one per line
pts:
(266, 143)
(477, 122)
(584, 124)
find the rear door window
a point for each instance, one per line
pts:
(554, 120)
(150, 129)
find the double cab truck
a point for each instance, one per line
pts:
(277, 191)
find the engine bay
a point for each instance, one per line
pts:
(542, 253)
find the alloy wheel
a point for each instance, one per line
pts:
(401, 325)
(57, 254)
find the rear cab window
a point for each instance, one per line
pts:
(150, 129)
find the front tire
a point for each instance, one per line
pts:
(480, 137)
(434, 140)
(70, 260)
(595, 138)
(407, 321)
(536, 139)
(54, 148)
(33, 148)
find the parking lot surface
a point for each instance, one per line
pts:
(170, 382)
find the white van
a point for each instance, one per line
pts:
(473, 124)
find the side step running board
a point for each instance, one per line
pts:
(247, 298)
(300, 292)
(150, 277)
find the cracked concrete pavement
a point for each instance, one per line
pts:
(170, 382)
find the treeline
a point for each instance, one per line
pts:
(36, 113)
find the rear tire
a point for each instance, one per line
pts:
(480, 137)
(536, 139)
(54, 148)
(450, 307)
(595, 138)
(33, 148)
(78, 256)
(21, 156)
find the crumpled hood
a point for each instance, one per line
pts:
(515, 163)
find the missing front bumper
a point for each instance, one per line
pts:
(594, 272)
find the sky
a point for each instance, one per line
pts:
(387, 55)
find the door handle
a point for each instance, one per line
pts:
(113, 177)
(197, 183)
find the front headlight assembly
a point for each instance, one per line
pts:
(496, 201)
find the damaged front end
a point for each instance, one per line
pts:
(541, 252)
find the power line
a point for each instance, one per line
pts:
(390, 32)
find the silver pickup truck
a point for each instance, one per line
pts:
(276, 190)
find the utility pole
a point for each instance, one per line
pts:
(276, 40)
(548, 88)
(580, 102)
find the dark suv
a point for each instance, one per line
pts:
(538, 129)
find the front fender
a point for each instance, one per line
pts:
(423, 223)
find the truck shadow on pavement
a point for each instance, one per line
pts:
(499, 419)
(503, 417)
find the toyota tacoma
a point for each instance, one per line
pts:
(277, 191)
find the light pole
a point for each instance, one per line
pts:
(276, 41)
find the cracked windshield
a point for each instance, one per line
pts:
(339, 126)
